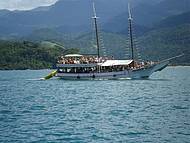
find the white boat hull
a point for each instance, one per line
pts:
(131, 74)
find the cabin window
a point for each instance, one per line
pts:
(68, 70)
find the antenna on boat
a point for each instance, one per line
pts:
(129, 12)
(131, 33)
(96, 28)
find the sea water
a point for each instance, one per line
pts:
(156, 110)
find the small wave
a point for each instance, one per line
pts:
(36, 79)
(5, 111)
(133, 133)
(182, 133)
(180, 107)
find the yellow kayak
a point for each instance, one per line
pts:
(52, 74)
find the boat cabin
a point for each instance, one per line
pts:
(76, 63)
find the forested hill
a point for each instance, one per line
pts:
(174, 20)
(156, 45)
(162, 29)
(75, 15)
(167, 42)
(29, 55)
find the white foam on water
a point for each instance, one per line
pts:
(36, 79)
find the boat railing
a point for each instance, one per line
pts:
(76, 65)
(81, 60)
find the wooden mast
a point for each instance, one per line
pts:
(96, 28)
(131, 34)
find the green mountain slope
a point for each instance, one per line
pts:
(157, 44)
(75, 15)
(28, 55)
(174, 20)
(146, 15)
(112, 44)
(160, 43)
(167, 42)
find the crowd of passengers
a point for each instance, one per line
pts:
(101, 69)
(81, 60)
(93, 69)
(94, 59)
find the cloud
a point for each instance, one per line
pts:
(24, 4)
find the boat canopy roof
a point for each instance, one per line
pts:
(116, 63)
(105, 64)
(73, 55)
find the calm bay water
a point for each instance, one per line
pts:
(133, 111)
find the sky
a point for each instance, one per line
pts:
(24, 4)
